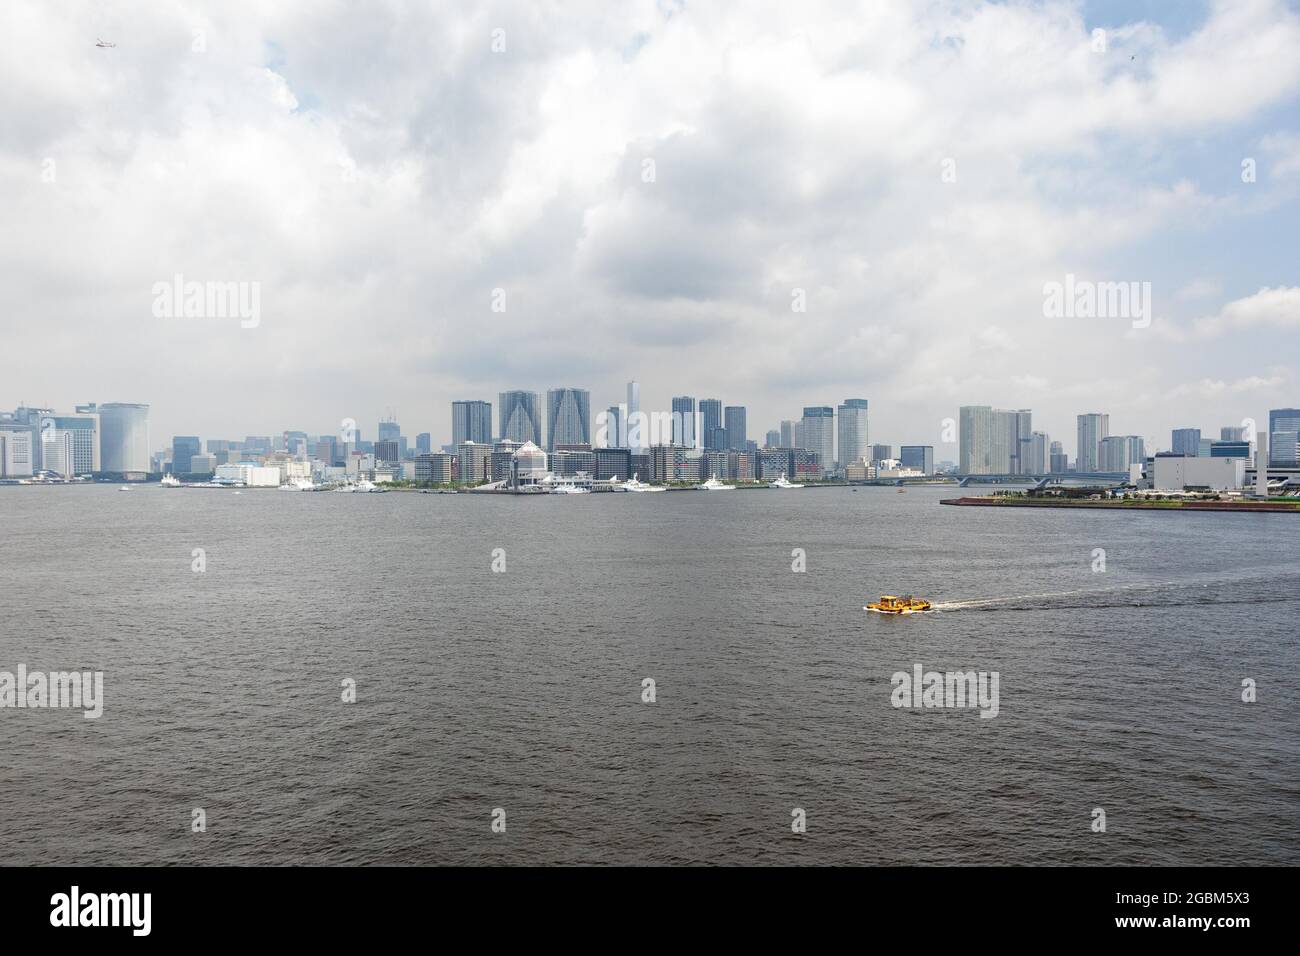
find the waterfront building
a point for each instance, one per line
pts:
(520, 413)
(1171, 472)
(817, 430)
(670, 463)
(613, 463)
(684, 421)
(1092, 428)
(880, 453)
(852, 430)
(1058, 461)
(805, 463)
(124, 437)
(640, 462)
(1284, 433)
(434, 468)
(859, 470)
(716, 463)
(388, 450)
(918, 458)
(16, 443)
(204, 463)
(1118, 452)
(568, 417)
(1038, 454)
(474, 461)
(184, 447)
(742, 465)
(568, 463)
(994, 441)
(1230, 449)
(528, 465)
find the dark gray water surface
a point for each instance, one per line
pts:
(522, 690)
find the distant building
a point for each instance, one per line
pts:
(880, 453)
(521, 417)
(772, 439)
(184, 447)
(1182, 472)
(817, 431)
(670, 463)
(1092, 428)
(568, 464)
(710, 421)
(124, 437)
(204, 463)
(917, 458)
(733, 419)
(742, 465)
(805, 463)
(388, 450)
(1186, 441)
(1038, 454)
(787, 434)
(684, 421)
(1117, 452)
(852, 430)
(613, 463)
(474, 461)
(1233, 433)
(994, 441)
(423, 443)
(16, 443)
(1284, 436)
(471, 420)
(568, 417)
(528, 466)
(434, 467)
(1058, 461)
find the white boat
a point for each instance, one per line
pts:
(783, 483)
(125, 488)
(170, 481)
(632, 484)
(365, 484)
(570, 490)
(714, 485)
(300, 484)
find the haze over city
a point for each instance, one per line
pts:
(652, 187)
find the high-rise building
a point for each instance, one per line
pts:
(1038, 454)
(733, 420)
(1093, 427)
(327, 450)
(389, 430)
(615, 433)
(684, 421)
(184, 447)
(853, 430)
(520, 413)
(635, 439)
(710, 419)
(1058, 460)
(423, 443)
(1233, 433)
(917, 457)
(388, 450)
(1117, 452)
(1186, 441)
(880, 452)
(568, 417)
(817, 431)
(124, 437)
(1284, 436)
(471, 420)
(787, 433)
(772, 439)
(994, 441)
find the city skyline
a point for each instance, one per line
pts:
(895, 243)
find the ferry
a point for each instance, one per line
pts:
(891, 604)
(714, 485)
(170, 481)
(570, 490)
(783, 483)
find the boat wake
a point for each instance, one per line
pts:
(1149, 594)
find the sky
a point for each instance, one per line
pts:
(774, 204)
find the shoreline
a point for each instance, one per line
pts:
(1247, 506)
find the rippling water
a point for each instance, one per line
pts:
(522, 690)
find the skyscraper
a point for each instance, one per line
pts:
(1117, 452)
(880, 452)
(636, 440)
(853, 430)
(817, 428)
(710, 419)
(615, 428)
(994, 441)
(1038, 454)
(123, 437)
(520, 413)
(568, 417)
(684, 421)
(787, 433)
(471, 420)
(1186, 441)
(1058, 460)
(733, 420)
(773, 439)
(918, 457)
(424, 443)
(1093, 427)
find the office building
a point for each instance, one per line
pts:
(817, 433)
(423, 443)
(1058, 461)
(711, 421)
(613, 463)
(787, 433)
(1117, 452)
(568, 417)
(917, 458)
(636, 440)
(1186, 441)
(434, 468)
(388, 450)
(1284, 431)
(473, 461)
(16, 451)
(733, 420)
(852, 430)
(520, 413)
(772, 439)
(184, 447)
(471, 420)
(1038, 454)
(879, 453)
(124, 437)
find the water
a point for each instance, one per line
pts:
(522, 690)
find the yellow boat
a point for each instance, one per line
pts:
(890, 604)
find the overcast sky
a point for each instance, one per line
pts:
(920, 171)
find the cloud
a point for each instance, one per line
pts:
(1268, 308)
